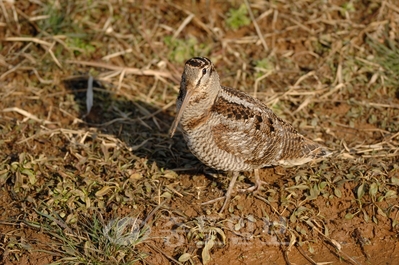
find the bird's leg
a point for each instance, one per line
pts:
(227, 196)
(258, 183)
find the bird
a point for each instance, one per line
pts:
(228, 130)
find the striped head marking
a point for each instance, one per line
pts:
(199, 76)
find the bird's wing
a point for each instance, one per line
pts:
(246, 128)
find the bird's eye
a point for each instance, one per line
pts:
(203, 71)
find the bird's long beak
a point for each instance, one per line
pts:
(172, 130)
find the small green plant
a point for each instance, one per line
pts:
(94, 241)
(238, 18)
(347, 8)
(25, 176)
(180, 50)
(387, 56)
(207, 234)
(263, 66)
(80, 46)
(56, 21)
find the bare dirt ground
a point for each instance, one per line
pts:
(109, 186)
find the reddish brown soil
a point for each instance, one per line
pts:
(364, 243)
(335, 227)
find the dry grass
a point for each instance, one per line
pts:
(329, 67)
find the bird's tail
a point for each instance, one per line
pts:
(310, 151)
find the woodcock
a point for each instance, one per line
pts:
(229, 130)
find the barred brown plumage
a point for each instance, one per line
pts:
(229, 130)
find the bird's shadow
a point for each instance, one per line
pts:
(141, 126)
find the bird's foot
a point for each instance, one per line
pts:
(227, 196)
(258, 183)
(254, 188)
